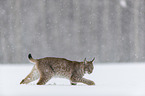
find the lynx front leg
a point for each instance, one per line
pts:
(33, 75)
(82, 80)
(86, 81)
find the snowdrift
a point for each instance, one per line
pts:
(111, 80)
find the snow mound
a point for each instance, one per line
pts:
(111, 80)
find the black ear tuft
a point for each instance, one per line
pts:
(93, 59)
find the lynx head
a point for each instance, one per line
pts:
(88, 66)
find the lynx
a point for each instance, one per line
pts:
(46, 68)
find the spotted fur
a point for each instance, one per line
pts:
(46, 68)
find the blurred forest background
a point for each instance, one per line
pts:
(109, 30)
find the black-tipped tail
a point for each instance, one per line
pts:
(30, 56)
(31, 59)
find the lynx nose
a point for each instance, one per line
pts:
(90, 71)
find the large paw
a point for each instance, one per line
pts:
(22, 82)
(25, 81)
(91, 83)
(73, 83)
(41, 83)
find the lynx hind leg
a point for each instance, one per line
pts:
(45, 75)
(82, 80)
(32, 76)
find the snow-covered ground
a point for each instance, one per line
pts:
(111, 80)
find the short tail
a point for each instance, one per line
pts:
(31, 59)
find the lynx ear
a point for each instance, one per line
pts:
(85, 61)
(93, 59)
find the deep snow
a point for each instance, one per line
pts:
(111, 80)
